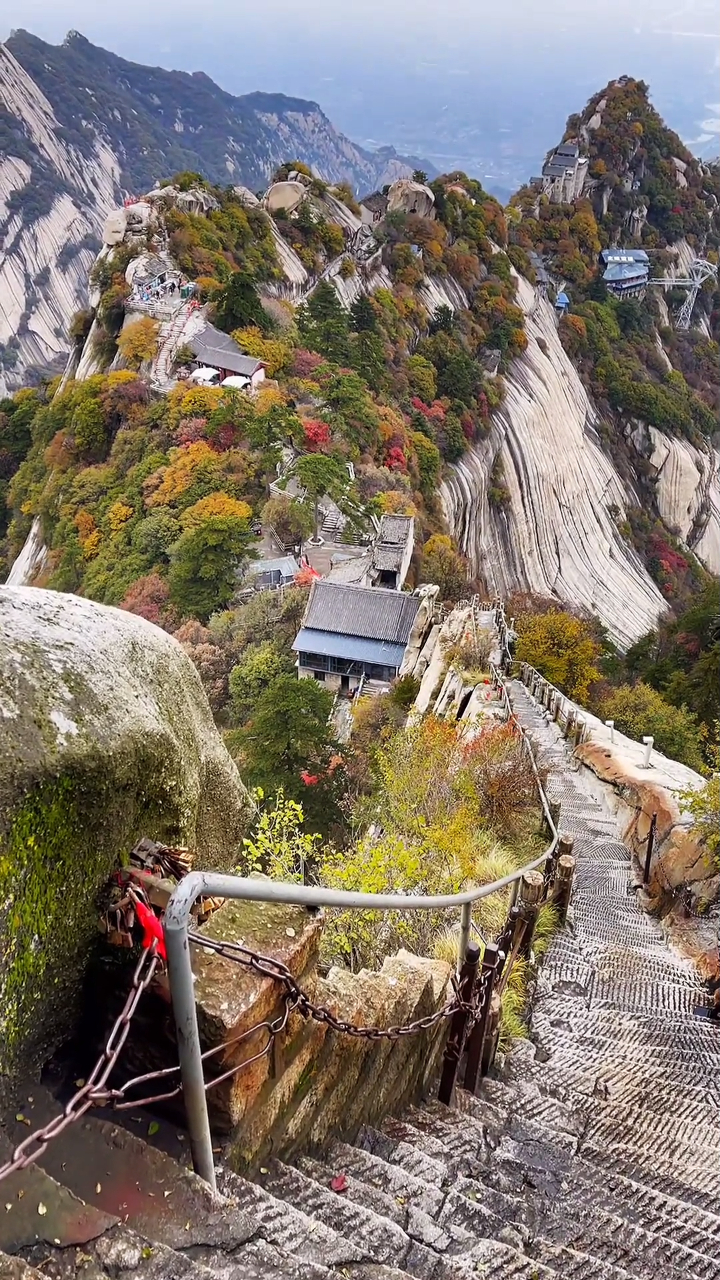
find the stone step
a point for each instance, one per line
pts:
(120, 1174)
(464, 1204)
(288, 1228)
(17, 1269)
(549, 1152)
(671, 1114)
(119, 1254)
(589, 1224)
(378, 1237)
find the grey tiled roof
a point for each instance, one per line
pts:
(387, 557)
(219, 351)
(395, 529)
(372, 612)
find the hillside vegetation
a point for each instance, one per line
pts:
(148, 500)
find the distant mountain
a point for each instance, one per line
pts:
(159, 122)
(80, 128)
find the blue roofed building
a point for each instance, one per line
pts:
(352, 633)
(626, 272)
(562, 303)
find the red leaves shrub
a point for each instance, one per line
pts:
(306, 362)
(148, 598)
(395, 459)
(190, 430)
(317, 435)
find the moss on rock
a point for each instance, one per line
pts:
(107, 737)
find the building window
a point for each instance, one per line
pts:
(320, 662)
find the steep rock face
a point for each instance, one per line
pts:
(107, 736)
(557, 534)
(687, 489)
(53, 199)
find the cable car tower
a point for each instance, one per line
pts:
(700, 271)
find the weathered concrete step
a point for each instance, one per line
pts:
(633, 1093)
(573, 1264)
(591, 1225)
(379, 1238)
(118, 1173)
(386, 1192)
(676, 1169)
(120, 1254)
(39, 1210)
(670, 1115)
(258, 1260)
(288, 1228)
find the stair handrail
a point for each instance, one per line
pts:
(215, 885)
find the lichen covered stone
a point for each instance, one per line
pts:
(106, 736)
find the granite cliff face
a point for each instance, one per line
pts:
(108, 737)
(53, 199)
(557, 533)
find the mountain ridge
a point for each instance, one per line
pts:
(63, 167)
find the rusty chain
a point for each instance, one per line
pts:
(269, 968)
(95, 1093)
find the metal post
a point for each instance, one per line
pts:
(454, 1046)
(531, 896)
(650, 847)
(188, 1044)
(610, 724)
(465, 927)
(648, 743)
(490, 961)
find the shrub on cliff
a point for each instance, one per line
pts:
(139, 341)
(640, 711)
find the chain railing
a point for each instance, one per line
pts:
(473, 1009)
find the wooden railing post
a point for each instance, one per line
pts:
(476, 1039)
(531, 895)
(492, 1035)
(456, 1037)
(564, 876)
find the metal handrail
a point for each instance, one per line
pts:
(212, 884)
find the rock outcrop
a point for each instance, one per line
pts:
(107, 736)
(557, 535)
(82, 128)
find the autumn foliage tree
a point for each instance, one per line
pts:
(562, 648)
(138, 341)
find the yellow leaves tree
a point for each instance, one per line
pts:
(168, 484)
(89, 536)
(118, 515)
(193, 402)
(139, 341)
(274, 354)
(563, 650)
(215, 504)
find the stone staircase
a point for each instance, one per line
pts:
(593, 1154)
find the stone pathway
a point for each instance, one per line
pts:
(594, 1155)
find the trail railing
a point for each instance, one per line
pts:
(474, 1022)
(473, 1009)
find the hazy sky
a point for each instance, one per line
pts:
(450, 78)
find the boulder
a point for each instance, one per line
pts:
(107, 736)
(284, 195)
(411, 197)
(115, 227)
